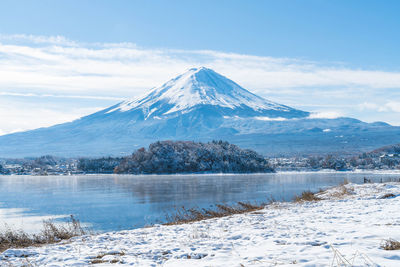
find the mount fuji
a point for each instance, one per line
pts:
(200, 105)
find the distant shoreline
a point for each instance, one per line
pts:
(219, 174)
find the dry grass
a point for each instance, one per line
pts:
(306, 196)
(390, 244)
(184, 215)
(388, 195)
(342, 191)
(99, 258)
(51, 233)
(97, 261)
(100, 261)
(340, 260)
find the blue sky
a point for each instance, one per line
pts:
(331, 57)
(362, 33)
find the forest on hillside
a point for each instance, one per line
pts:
(193, 157)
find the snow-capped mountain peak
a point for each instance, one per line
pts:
(198, 87)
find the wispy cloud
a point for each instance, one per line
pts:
(21, 116)
(56, 63)
(62, 96)
(37, 39)
(56, 67)
(390, 106)
(325, 115)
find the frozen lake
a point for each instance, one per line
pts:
(116, 202)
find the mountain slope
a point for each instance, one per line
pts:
(199, 105)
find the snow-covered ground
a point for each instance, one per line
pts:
(347, 227)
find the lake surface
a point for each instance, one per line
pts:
(116, 202)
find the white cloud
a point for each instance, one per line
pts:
(37, 39)
(393, 106)
(270, 119)
(62, 96)
(55, 63)
(325, 115)
(369, 106)
(19, 118)
(390, 106)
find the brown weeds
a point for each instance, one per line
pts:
(388, 195)
(51, 233)
(184, 215)
(342, 191)
(390, 244)
(99, 258)
(306, 196)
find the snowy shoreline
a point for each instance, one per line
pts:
(351, 223)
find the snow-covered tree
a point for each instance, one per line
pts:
(190, 157)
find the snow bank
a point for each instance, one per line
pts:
(348, 225)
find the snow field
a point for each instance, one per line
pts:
(347, 227)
